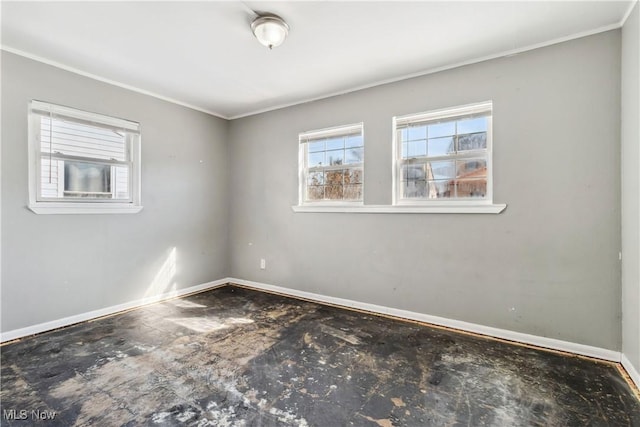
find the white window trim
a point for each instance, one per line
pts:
(80, 206)
(86, 208)
(458, 208)
(303, 138)
(444, 205)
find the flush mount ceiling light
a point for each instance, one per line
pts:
(270, 30)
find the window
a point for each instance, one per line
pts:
(444, 156)
(82, 162)
(331, 165)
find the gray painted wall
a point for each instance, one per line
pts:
(631, 188)
(547, 266)
(61, 265)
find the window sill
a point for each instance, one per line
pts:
(83, 208)
(395, 209)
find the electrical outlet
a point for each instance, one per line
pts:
(263, 264)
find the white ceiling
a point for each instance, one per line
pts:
(203, 54)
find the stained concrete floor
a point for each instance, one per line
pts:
(236, 357)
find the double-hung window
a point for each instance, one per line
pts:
(82, 162)
(331, 165)
(444, 156)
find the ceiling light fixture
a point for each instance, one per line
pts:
(270, 30)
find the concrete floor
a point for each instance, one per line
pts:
(236, 357)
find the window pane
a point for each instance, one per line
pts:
(50, 171)
(334, 177)
(417, 132)
(472, 188)
(402, 135)
(405, 150)
(417, 148)
(442, 129)
(316, 159)
(315, 146)
(441, 189)
(479, 124)
(334, 192)
(315, 178)
(353, 176)
(121, 182)
(335, 157)
(474, 141)
(440, 146)
(441, 170)
(335, 143)
(354, 141)
(474, 168)
(315, 192)
(83, 179)
(414, 189)
(413, 172)
(353, 192)
(354, 155)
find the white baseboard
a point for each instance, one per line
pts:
(520, 337)
(55, 324)
(538, 341)
(631, 370)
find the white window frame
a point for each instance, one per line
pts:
(303, 139)
(42, 205)
(433, 116)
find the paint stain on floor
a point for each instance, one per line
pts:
(236, 357)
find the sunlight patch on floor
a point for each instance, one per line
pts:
(209, 324)
(185, 304)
